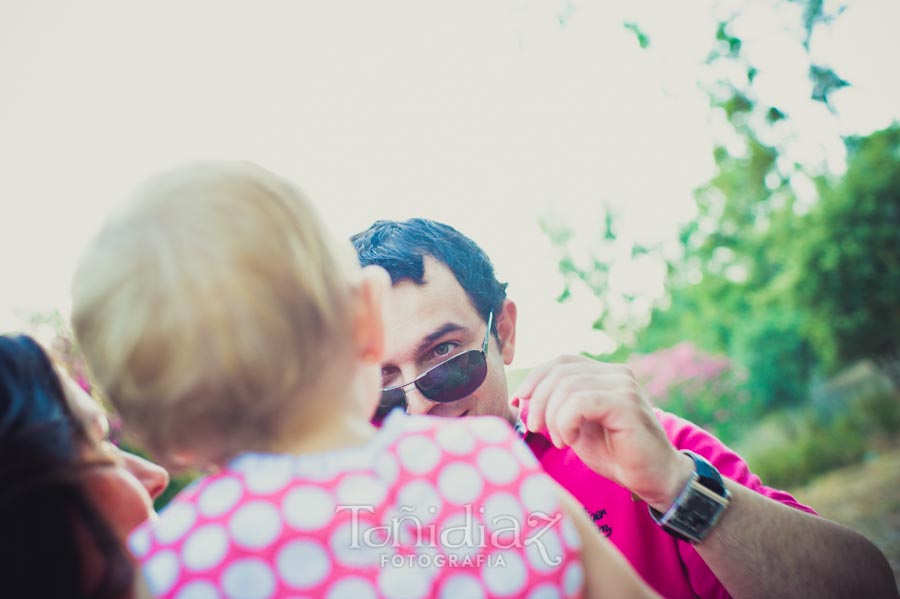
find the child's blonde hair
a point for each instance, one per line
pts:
(209, 303)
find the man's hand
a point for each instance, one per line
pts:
(600, 411)
(759, 548)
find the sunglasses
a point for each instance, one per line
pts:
(451, 380)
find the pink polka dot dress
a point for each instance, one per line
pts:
(430, 507)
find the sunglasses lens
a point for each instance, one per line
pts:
(455, 378)
(390, 399)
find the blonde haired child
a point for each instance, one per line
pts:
(231, 331)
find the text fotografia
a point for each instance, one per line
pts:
(424, 560)
(457, 541)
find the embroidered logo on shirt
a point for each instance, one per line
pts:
(596, 516)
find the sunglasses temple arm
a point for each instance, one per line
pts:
(487, 334)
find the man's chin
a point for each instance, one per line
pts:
(457, 413)
(474, 409)
(468, 407)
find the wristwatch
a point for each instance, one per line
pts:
(699, 505)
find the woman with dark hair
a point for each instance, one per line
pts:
(68, 497)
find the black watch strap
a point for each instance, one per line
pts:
(707, 474)
(698, 506)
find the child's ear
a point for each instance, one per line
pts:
(373, 293)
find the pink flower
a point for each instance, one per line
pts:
(683, 364)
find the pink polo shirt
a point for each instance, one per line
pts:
(673, 568)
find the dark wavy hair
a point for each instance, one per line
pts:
(400, 248)
(45, 511)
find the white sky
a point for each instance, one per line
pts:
(484, 115)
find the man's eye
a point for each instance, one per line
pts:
(388, 376)
(443, 349)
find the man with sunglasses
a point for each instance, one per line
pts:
(684, 509)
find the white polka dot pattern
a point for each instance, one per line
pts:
(139, 542)
(545, 591)
(462, 585)
(491, 429)
(270, 474)
(502, 511)
(544, 550)
(418, 454)
(360, 489)
(205, 548)
(460, 535)
(220, 496)
(303, 564)
(348, 547)
(313, 470)
(250, 578)
(175, 521)
(539, 495)
(460, 483)
(419, 500)
(387, 469)
(161, 572)
(573, 579)
(255, 525)
(199, 589)
(570, 535)
(507, 575)
(352, 588)
(308, 508)
(437, 508)
(403, 582)
(456, 439)
(498, 465)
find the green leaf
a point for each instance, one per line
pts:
(732, 43)
(609, 233)
(738, 103)
(825, 82)
(773, 115)
(642, 38)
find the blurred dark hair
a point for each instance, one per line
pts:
(400, 248)
(46, 513)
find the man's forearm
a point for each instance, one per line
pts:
(761, 548)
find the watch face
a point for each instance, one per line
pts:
(696, 514)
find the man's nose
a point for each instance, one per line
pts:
(416, 403)
(153, 476)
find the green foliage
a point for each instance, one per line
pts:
(739, 286)
(825, 82)
(727, 292)
(726, 44)
(786, 293)
(616, 318)
(642, 38)
(778, 358)
(774, 115)
(848, 277)
(789, 448)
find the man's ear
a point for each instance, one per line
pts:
(506, 331)
(371, 297)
